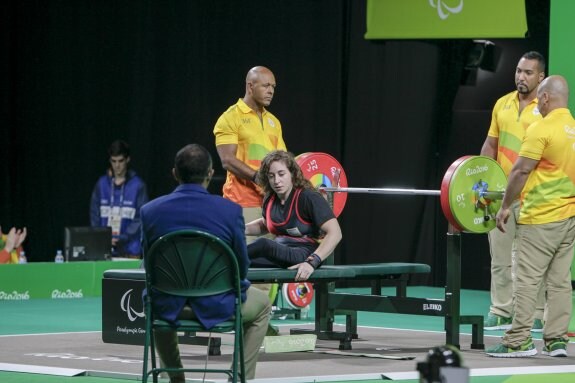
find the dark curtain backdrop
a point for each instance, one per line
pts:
(78, 74)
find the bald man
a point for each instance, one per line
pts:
(244, 134)
(543, 177)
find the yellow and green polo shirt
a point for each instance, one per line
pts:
(509, 126)
(549, 193)
(241, 126)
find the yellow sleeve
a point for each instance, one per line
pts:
(494, 127)
(226, 131)
(534, 142)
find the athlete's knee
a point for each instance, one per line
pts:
(259, 248)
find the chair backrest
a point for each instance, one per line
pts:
(191, 263)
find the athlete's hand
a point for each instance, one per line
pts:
(304, 271)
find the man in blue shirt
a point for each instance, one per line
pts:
(190, 206)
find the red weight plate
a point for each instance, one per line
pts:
(324, 170)
(301, 156)
(299, 294)
(444, 195)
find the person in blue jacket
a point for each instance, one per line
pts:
(116, 202)
(191, 206)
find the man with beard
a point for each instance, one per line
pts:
(511, 116)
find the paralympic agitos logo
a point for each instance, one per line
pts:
(127, 308)
(443, 11)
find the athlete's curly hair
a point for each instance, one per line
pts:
(298, 179)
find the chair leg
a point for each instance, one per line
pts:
(146, 345)
(234, 366)
(240, 346)
(153, 356)
(145, 366)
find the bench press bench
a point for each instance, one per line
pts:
(123, 322)
(329, 303)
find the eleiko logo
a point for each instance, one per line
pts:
(127, 308)
(443, 10)
(432, 306)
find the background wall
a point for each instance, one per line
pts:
(78, 74)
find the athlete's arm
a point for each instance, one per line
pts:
(330, 240)
(256, 227)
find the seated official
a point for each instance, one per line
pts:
(11, 244)
(306, 229)
(190, 206)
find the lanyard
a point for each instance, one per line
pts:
(112, 188)
(115, 216)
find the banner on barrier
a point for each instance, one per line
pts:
(73, 280)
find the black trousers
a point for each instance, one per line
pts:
(264, 252)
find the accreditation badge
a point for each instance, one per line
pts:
(115, 220)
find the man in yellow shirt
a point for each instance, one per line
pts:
(511, 116)
(544, 178)
(244, 134)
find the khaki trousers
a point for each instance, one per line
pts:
(255, 316)
(503, 253)
(544, 253)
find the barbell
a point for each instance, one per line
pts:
(471, 190)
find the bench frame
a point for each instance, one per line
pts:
(329, 303)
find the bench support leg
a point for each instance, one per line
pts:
(453, 317)
(351, 324)
(325, 317)
(476, 322)
(453, 288)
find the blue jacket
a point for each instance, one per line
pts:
(129, 197)
(190, 206)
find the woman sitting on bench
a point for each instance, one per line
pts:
(306, 229)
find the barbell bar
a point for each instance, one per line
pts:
(488, 194)
(470, 195)
(381, 191)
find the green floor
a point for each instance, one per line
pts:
(13, 377)
(21, 317)
(87, 312)
(8, 377)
